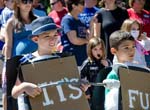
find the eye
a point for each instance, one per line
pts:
(126, 48)
(46, 36)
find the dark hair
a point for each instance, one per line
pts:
(93, 42)
(117, 37)
(69, 3)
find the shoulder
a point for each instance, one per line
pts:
(52, 12)
(11, 22)
(85, 63)
(112, 75)
(67, 19)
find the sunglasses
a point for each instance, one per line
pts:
(27, 1)
(54, 2)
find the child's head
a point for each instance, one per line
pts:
(45, 34)
(132, 26)
(72, 4)
(96, 49)
(122, 45)
(9, 4)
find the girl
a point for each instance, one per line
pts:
(17, 31)
(108, 20)
(94, 63)
(141, 41)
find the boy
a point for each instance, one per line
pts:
(45, 34)
(122, 45)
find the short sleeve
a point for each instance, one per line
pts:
(67, 25)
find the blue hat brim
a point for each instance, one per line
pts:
(43, 29)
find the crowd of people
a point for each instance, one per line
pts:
(99, 35)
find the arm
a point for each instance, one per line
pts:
(72, 36)
(29, 88)
(96, 27)
(8, 39)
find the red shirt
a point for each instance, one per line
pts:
(57, 16)
(143, 18)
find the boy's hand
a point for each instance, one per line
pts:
(32, 89)
(84, 85)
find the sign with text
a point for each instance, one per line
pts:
(135, 87)
(56, 96)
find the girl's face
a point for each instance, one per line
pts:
(25, 5)
(135, 30)
(139, 4)
(97, 52)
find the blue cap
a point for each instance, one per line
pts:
(41, 25)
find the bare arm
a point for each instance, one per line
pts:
(72, 36)
(29, 88)
(8, 39)
(96, 27)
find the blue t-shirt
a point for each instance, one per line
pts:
(70, 24)
(21, 43)
(1, 43)
(6, 14)
(87, 15)
(1, 16)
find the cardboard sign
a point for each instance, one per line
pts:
(135, 87)
(57, 97)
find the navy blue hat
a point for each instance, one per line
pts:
(41, 25)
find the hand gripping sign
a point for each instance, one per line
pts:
(56, 78)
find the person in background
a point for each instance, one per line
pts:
(58, 11)
(94, 63)
(108, 20)
(38, 9)
(7, 11)
(5, 15)
(74, 33)
(39, 6)
(137, 12)
(18, 29)
(1, 9)
(141, 41)
(88, 12)
(122, 45)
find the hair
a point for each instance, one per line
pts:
(93, 42)
(102, 3)
(127, 24)
(19, 23)
(117, 37)
(69, 4)
(131, 3)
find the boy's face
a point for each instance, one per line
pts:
(125, 51)
(47, 41)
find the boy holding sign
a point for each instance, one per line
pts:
(123, 47)
(45, 34)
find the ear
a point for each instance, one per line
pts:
(73, 6)
(113, 51)
(35, 39)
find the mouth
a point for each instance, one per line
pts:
(98, 55)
